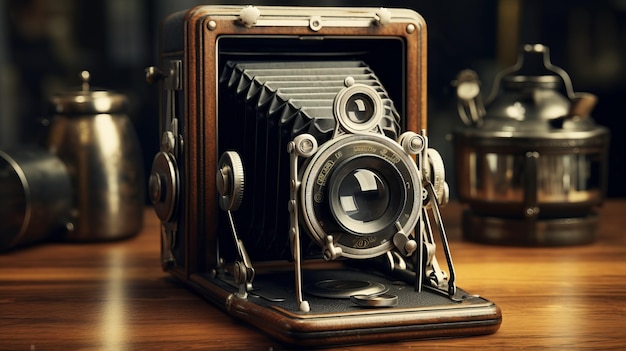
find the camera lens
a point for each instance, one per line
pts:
(366, 194)
(360, 108)
(361, 189)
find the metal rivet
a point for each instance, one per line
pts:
(315, 23)
(211, 25)
(318, 197)
(349, 81)
(410, 28)
(306, 146)
(417, 143)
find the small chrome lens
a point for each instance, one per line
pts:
(360, 108)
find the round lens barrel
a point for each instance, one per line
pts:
(35, 196)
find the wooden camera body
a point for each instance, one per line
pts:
(294, 182)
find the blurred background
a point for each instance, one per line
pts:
(45, 44)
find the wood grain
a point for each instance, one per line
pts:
(114, 296)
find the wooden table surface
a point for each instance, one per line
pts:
(114, 296)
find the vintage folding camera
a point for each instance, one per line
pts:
(294, 181)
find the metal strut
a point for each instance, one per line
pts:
(303, 145)
(242, 270)
(433, 172)
(444, 238)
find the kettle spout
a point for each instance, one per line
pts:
(582, 105)
(469, 100)
(579, 114)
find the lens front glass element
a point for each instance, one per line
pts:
(363, 196)
(366, 195)
(360, 108)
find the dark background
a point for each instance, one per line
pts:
(45, 44)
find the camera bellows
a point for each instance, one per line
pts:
(262, 107)
(300, 94)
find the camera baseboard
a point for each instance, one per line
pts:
(272, 307)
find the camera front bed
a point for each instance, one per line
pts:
(333, 321)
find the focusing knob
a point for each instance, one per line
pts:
(436, 174)
(411, 142)
(154, 74)
(163, 185)
(230, 180)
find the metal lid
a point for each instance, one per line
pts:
(526, 102)
(88, 101)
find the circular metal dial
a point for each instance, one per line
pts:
(230, 181)
(163, 185)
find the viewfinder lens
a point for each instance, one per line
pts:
(360, 108)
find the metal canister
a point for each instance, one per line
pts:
(92, 134)
(531, 162)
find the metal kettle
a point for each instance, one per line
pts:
(91, 133)
(531, 163)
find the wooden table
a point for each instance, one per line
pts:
(114, 296)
